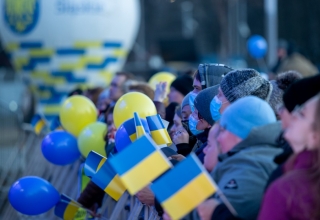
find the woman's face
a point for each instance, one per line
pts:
(300, 132)
(224, 100)
(211, 151)
(177, 125)
(285, 117)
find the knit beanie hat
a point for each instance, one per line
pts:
(184, 84)
(301, 91)
(245, 114)
(211, 74)
(279, 85)
(203, 100)
(185, 101)
(241, 83)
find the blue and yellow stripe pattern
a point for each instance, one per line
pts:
(158, 131)
(103, 175)
(38, 123)
(131, 129)
(55, 71)
(183, 188)
(66, 208)
(139, 164)
(139, 128)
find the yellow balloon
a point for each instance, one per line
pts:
(130, 103)
(92, 138)
(76, 113)
(162, 77)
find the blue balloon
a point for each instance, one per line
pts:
(257, 46)
(33, 195)
(122, 138)
(60, 148)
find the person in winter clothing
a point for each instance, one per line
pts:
(247, 145)
(279, 86)
(292, 97)
(237, 84)
(201, 123)
(295, 195)
(179, 88)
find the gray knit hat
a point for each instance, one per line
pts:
(280, 85)
(185, 101)
(211, 74)
(240, 83)
(203, 100)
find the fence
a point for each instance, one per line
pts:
(25, 159)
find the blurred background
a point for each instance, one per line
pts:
(49, 48)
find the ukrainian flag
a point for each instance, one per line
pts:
(183, 188)
(130, 128)
(93, 163)
(98, 167)
(66, 208)
(139, 164)
(158, 131)
(139, 128)
(38, 123)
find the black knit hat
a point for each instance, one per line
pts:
(301, 91)
(203, 100)
(184, 84)
(240, 83)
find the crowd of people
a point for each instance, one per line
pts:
(259, 139)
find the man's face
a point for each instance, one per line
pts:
(116, 87)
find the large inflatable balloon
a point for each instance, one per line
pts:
(60, 148)
(33, 195)
(130, 103)
(76, 113)
(62, 44)
(92, 138)
(162, 77)
(257, 46)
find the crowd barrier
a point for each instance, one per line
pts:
(27, 158)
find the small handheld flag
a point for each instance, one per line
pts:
(184, 187)
(139, 128)
(99, 168)
(158, 131)
(66, 208)
(139, 164)
(130, 127)
(38, 123)
(93, 163)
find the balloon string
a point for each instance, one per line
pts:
(73, 203)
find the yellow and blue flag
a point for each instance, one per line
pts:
(93, 163)
(66, 208)
(131, 129)
(158, 131)
(103, 175)
(139, 164)
(184, 187)
(38, 123)
(139, 128)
